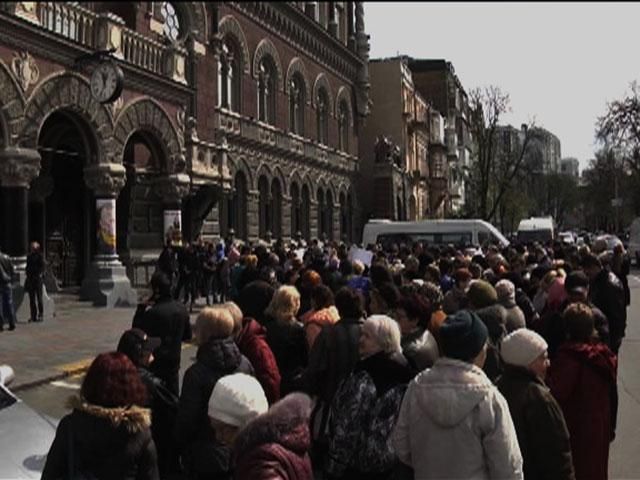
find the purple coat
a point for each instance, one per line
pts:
(276, 444)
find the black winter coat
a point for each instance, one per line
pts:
(214, 360)
(168, 320)
(289, 346)
(607, 293)
(542, 432)
(107, 443)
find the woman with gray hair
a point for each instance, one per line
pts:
(364, 409)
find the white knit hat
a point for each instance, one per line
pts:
(237, 399)
(522, 347)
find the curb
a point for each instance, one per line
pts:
(68, 370)
(74, 369)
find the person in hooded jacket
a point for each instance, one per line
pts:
(454, 423)
(365, 406)
(582, 378)
(216, 357)
(542, 432)
(276, 444)
(251, 338)
(107, 434)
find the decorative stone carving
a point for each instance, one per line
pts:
(18, 166)
(180, 120)
(25, 69)
(173, 188)
(109, 27)
(116, 106)
(105, 179)
(24, 10)
(192, 129)
(175, 64)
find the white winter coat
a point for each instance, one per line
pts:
(455, 424)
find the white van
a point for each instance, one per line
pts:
(432, 232)
(536, 229)
(634, 241)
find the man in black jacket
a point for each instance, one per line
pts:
(606, 293)
(7, 311)
(33, 283)
(162, 316)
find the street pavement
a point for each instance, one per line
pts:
(49, 359)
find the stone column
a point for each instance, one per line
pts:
(106, 283)
(351, 35)
(286, 218)
(253, 213)
(313, 219)
(332, 24)
(337, 232)
(18, 167)
(172, 189)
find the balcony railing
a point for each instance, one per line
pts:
(107, 31)
(235, 124)
(142, 51)
(71, 21)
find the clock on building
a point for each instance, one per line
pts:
(106, 82)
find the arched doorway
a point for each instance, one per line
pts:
(295, 210)
(139, 212)
(265, 219)
(239, 206)
(321, 214)
(276, 209)
(329, 215)
(62, 224)
(305, 213)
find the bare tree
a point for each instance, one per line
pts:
(494, 168)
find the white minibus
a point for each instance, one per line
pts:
(463, 233)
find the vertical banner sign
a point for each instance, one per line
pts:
(173, 226)
(106, 208)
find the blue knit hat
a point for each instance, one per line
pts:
(463, 335)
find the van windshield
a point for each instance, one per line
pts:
(459, 239)
(526, 236)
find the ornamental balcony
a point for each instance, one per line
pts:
(103, 31)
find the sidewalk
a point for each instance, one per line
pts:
(55, 349)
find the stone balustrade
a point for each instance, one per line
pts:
(287, 142)
(103, 31)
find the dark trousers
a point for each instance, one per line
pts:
(35, 303)
(7, 312)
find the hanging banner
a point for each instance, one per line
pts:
(173, 226)
(106, 234)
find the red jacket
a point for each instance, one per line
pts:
(252, 343)
(582, 378)
(276, 444)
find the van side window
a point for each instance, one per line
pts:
(483, 238)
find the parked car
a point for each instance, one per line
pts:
(26, 435)
(568, 238)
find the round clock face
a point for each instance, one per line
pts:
(106, 82)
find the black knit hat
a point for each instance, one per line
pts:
(463, 335)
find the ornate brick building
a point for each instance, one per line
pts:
(231, 115)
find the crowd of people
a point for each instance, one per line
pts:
(430, 362)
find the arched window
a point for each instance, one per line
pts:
(321, 214)
(172, 22)
(276, 209)
(296, 105)
(322, 116)
(343, 126)
(267, 91)
(229, 76)
(305, 224)
(265, 220)
(296, 205)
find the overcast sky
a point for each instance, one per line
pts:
(560, 62)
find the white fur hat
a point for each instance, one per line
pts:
(237, 399)
(522, 347)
